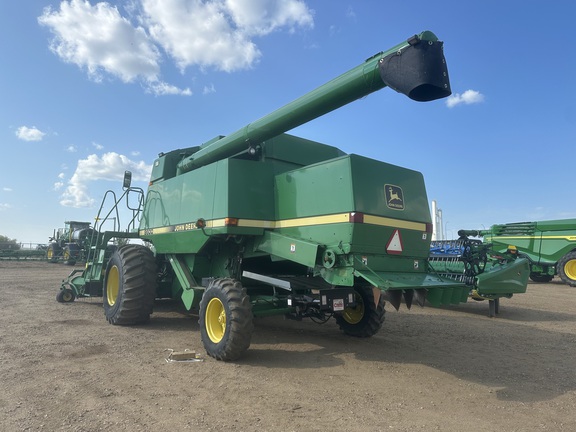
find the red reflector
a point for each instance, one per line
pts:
(394, 245)
(231, 221)
(429, 228)
(356, 217)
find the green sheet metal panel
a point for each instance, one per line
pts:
(509, 279)
(298, 151)
(244, 190)
(228, 188)
(296, 250)
(324, 188)
(316, 202)
(398, 280)
(558, 238)
(544, 242)
(388, 190)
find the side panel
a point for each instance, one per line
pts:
(558, 238)
(544, 242)
(391, 198)
(320, 189)
(315, 203)
(228, 188)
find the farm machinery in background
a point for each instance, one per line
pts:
(489, 273)
(71, 243)
(550, 246)
(262, 223)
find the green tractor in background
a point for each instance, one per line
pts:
(262, 223)
(69, 244)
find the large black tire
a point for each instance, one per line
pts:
(53, 252)
(226, 324)
(566, 268)
(70, 253)
(130, 285)
(537, 277)
(366, 318)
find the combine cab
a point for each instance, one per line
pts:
(263, 223)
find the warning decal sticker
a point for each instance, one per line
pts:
(394, 245)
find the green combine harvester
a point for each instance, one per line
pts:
(262, 223)
(550, 246)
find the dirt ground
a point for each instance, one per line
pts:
(64, 368)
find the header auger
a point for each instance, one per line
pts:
(263, 223)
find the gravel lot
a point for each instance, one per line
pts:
(64, 368)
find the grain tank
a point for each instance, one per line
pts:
(261, 222)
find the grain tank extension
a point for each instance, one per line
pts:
(262, 223)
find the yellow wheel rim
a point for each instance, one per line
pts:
(570, 269)
(49, 254)
(66, 255)
(112, 285)
(353, 315)
(215, 320)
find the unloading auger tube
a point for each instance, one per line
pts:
(416, 68)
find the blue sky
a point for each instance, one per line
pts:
(89, 89)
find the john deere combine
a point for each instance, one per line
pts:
(263, 223)
(550, 246)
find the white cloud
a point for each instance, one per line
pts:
(58, 186)
(160, 88)
(5, 206)
(209, 89)
(197, 33)
(99, 39)
(205, 33)
(468, 97)
(351, 13)
(261, 17)
(29, 134)
(110, 166)
(97, 146)
(71, 149)
(7, 189)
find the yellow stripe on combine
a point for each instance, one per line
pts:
(215, 223)
(395, 223)
(315, 220)
(324, 220)
(301, 222)
(569, 238)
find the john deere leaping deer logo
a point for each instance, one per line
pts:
(394, 197)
